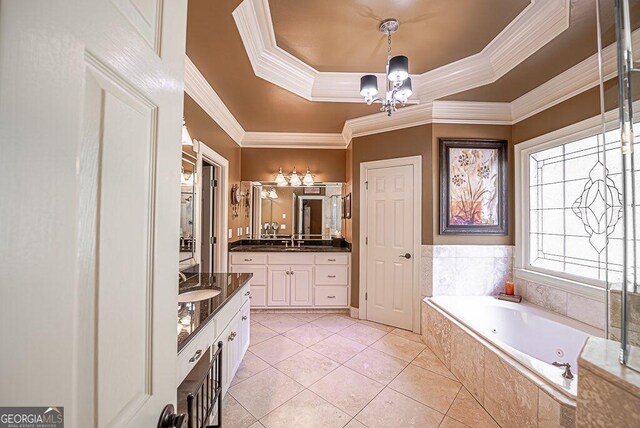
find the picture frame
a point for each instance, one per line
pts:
(473, 186)
(346, 206)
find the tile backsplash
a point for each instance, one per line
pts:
(481, 270)
(465, 270)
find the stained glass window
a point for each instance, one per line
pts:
(575, 208)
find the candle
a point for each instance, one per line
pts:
(508, 288)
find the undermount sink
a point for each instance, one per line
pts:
(197, 295)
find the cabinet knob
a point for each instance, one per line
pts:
(248, 260)
(196, 356)
(244, 317)
(331, 297)
(331, 276)
(247, 293)
(331, 260)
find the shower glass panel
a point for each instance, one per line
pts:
(618, 33)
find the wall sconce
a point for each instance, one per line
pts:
(294, 179)
(186, 137)
(308, 178)
(280, 180)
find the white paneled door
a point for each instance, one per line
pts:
(90, 118)
(390, 245)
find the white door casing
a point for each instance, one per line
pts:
(90, 116)
(220, 205)
(390, 215)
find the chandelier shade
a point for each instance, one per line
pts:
(405, 90)
(398, 68)
(369, 86)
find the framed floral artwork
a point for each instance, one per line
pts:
(473, 186)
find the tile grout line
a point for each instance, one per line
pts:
(304, 347)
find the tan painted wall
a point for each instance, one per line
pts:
(327, 165)
(203, 128)
(394, 144)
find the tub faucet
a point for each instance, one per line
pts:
(567, 369)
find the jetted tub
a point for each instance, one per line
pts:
(529, 334)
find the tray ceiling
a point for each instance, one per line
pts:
(343, 35)
(432, 36)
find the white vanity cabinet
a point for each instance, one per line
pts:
(229, 325)
(296, 279)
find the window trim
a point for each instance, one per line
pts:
(590, 288)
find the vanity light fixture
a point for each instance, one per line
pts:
(272, 194)
(186, 137)
(398, 82)
(308, 178)
(280, 180)
(294, 180)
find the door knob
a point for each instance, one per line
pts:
(406, 256)
(169, 419)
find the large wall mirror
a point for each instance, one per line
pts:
(188, 199)
(307, 212)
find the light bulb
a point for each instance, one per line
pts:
(295, 178)
(308, 179)
(280, 180)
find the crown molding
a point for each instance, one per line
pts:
(535, 26)
(293, 140)
(198, 88)
(579, 78)
(570, 83)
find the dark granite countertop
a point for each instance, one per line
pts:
(193, 315)
(282, 249)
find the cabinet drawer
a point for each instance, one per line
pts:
(196, 350)
(331, 275)
(332, 259)
(290, 259)
(248, 259)
(258, 296)
(259, 273)
(331, 296)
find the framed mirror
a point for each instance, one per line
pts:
(188, 203)
(308, 212)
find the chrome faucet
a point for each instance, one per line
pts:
(567, 369)
(181, 276)
(293, 239)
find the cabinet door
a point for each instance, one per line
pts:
(227, 358)
(245, 320)
(278, 289)
(301, 286)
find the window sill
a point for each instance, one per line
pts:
(570, 286)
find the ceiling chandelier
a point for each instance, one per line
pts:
(398, 81)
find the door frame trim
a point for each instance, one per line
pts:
(221, 205)
(416, 162)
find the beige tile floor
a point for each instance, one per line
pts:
(315, 370)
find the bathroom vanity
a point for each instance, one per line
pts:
(309, 276)
(212, 308)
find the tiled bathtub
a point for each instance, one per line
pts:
(469, 335)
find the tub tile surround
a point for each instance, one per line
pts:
(465, 270)
(508, 392)
(394, 381)
(583, 309)
(608, 392)
(481, 270)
